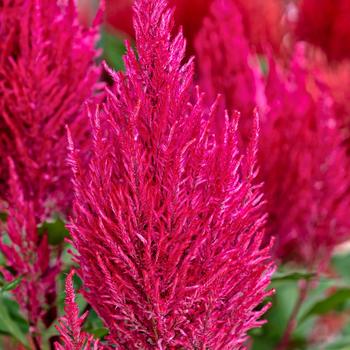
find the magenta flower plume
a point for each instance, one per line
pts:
(227, 65)
(167, 224)
(47, 71)
(28, 256)
(304, 167)
(70, 325)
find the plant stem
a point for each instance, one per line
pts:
(36, 343)
(292, 322)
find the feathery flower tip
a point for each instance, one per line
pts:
(166, 226)
(70, 325)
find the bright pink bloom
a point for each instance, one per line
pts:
(70, 326)
(263, 22)
(167, 223)
(226, 64)
(304, 167)
(187, 14)
(29, 256)
(46, 72)
(326, 23)
(262, 19)
(337, 80)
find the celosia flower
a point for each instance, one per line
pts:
(263, 20)
(226, 64)
(304, 168)
(69, 326)
(167, 223)
(337, 80)
(187, 14)
(47, 71)
(264, 23)
(28, 256)
(325, 23)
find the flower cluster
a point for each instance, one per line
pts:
(303, 163)
(28, 256)
(262, 20)
(170, 175)
(47, 71)
(304, 167)
(167, 222)
(46, 74)
(227, 66)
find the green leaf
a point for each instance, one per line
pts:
(11, 285)
(328, 304)
(14, 312)
(94, 325)
(341, 264)
(286, 284)
(3, 216)
(11, 326)
(99, 332)
(113, 49)
(264, 64)
(277, 317)
(56, 231)
(339, 344)
(292, 276)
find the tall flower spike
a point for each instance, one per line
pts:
(226, 64)
(47, 71)
(167, 224)
(70, 325)
(304, 167)
(30, 257)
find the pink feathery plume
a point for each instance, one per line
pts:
(47, 71)
(28, 256)
(304, 167)
(263, 20)
(70, 325)
(167, 223)
(227, 65)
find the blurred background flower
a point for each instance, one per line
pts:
(326, 23)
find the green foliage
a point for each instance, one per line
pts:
(94, 325)
(3, 216)
(292, 276)
(55, 230)
(328, 295)
(11, 323)
(336, 301)
(113, 49)
(6, 287)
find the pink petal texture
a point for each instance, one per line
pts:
(47, 71)
(29, 256)
(304, 166)
(227, 65)
(70, 325)
(167, 222)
